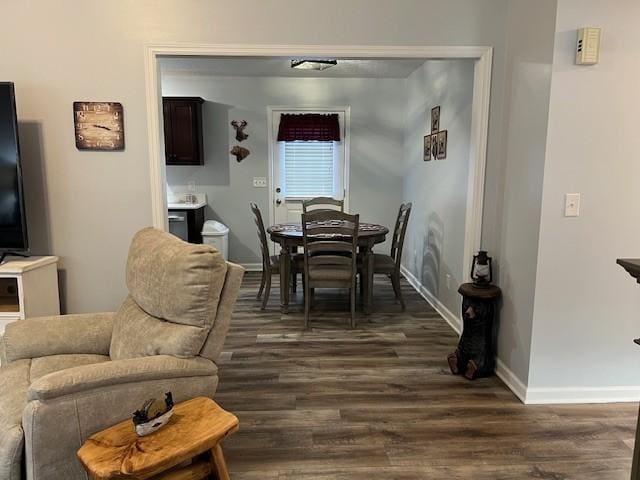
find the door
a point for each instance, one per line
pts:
(303, 170)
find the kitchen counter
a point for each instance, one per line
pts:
(186, 206)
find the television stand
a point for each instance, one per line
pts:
(28, 288)
(12, 254)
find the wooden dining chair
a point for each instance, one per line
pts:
(390, 264)
(322, 203)
(330, 240)
(271, 263)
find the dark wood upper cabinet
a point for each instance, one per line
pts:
(183, 130)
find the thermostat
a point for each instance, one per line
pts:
(588, 46)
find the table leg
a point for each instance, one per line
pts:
(368, 295)
(635, 468)
(285, 266)
(218, 465)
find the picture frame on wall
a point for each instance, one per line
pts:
(435, 119)
(434, 145)
(427, 147)
(441, 141)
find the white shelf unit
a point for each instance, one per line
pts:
(28, 288)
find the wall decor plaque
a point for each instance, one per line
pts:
(441, 139)
(435, 119)
(427, 147)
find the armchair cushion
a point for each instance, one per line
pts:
(137, 334)
(14, 381)
(58, 335)
(90, 377)
(45, 365)
(174, 280)
(174, 290)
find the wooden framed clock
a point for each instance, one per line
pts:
(99, 125)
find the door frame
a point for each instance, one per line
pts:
(483, 56)
(271, 155)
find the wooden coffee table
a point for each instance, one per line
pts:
(192, 436)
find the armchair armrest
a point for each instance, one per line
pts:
(132, 370)
(57, 335)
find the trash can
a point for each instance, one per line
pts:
(216, 234)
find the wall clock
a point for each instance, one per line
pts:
(99, 125)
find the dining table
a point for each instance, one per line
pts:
(289, 237)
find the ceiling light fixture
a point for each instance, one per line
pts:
(309, 64)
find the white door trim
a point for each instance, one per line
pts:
(307, 108)
(479, 123)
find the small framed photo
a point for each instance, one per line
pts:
(427, 147)
(435, 119)
(441, 141)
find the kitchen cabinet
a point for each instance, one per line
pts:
(183, 130)
(186, 223)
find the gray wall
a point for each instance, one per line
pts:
(515, 167)
(434, 245)
(60, 52)
(377, 120)
(586, 307)
(92, 203)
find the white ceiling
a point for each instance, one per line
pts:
(281, 67)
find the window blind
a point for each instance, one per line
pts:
(309, 169)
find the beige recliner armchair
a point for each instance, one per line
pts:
(64, 378)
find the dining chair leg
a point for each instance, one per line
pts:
(294, 282)
(395, 281)
(307, 304)
(395, 288)
(353, 306)
(262, 281)
(267, 291)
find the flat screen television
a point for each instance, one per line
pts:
(13, 226)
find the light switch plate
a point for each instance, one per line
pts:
(259, 182)
(572, 205)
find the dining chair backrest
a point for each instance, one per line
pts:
(322, 203)
(399, 232)
(262, 234)
(330, 238)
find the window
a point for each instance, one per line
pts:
(310, 169)
(308, 155)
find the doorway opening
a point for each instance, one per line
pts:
(479, 58)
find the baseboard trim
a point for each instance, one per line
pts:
(511, 380)
(576, 395)
(252, 267)
(451, 318)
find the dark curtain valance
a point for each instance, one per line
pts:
(308, 127)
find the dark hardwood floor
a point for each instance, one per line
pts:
(378, 402)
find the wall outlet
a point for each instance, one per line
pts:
(259, 182)
(191, 186)
(448, 281)
(572, 205)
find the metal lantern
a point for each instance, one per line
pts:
(481, 270)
